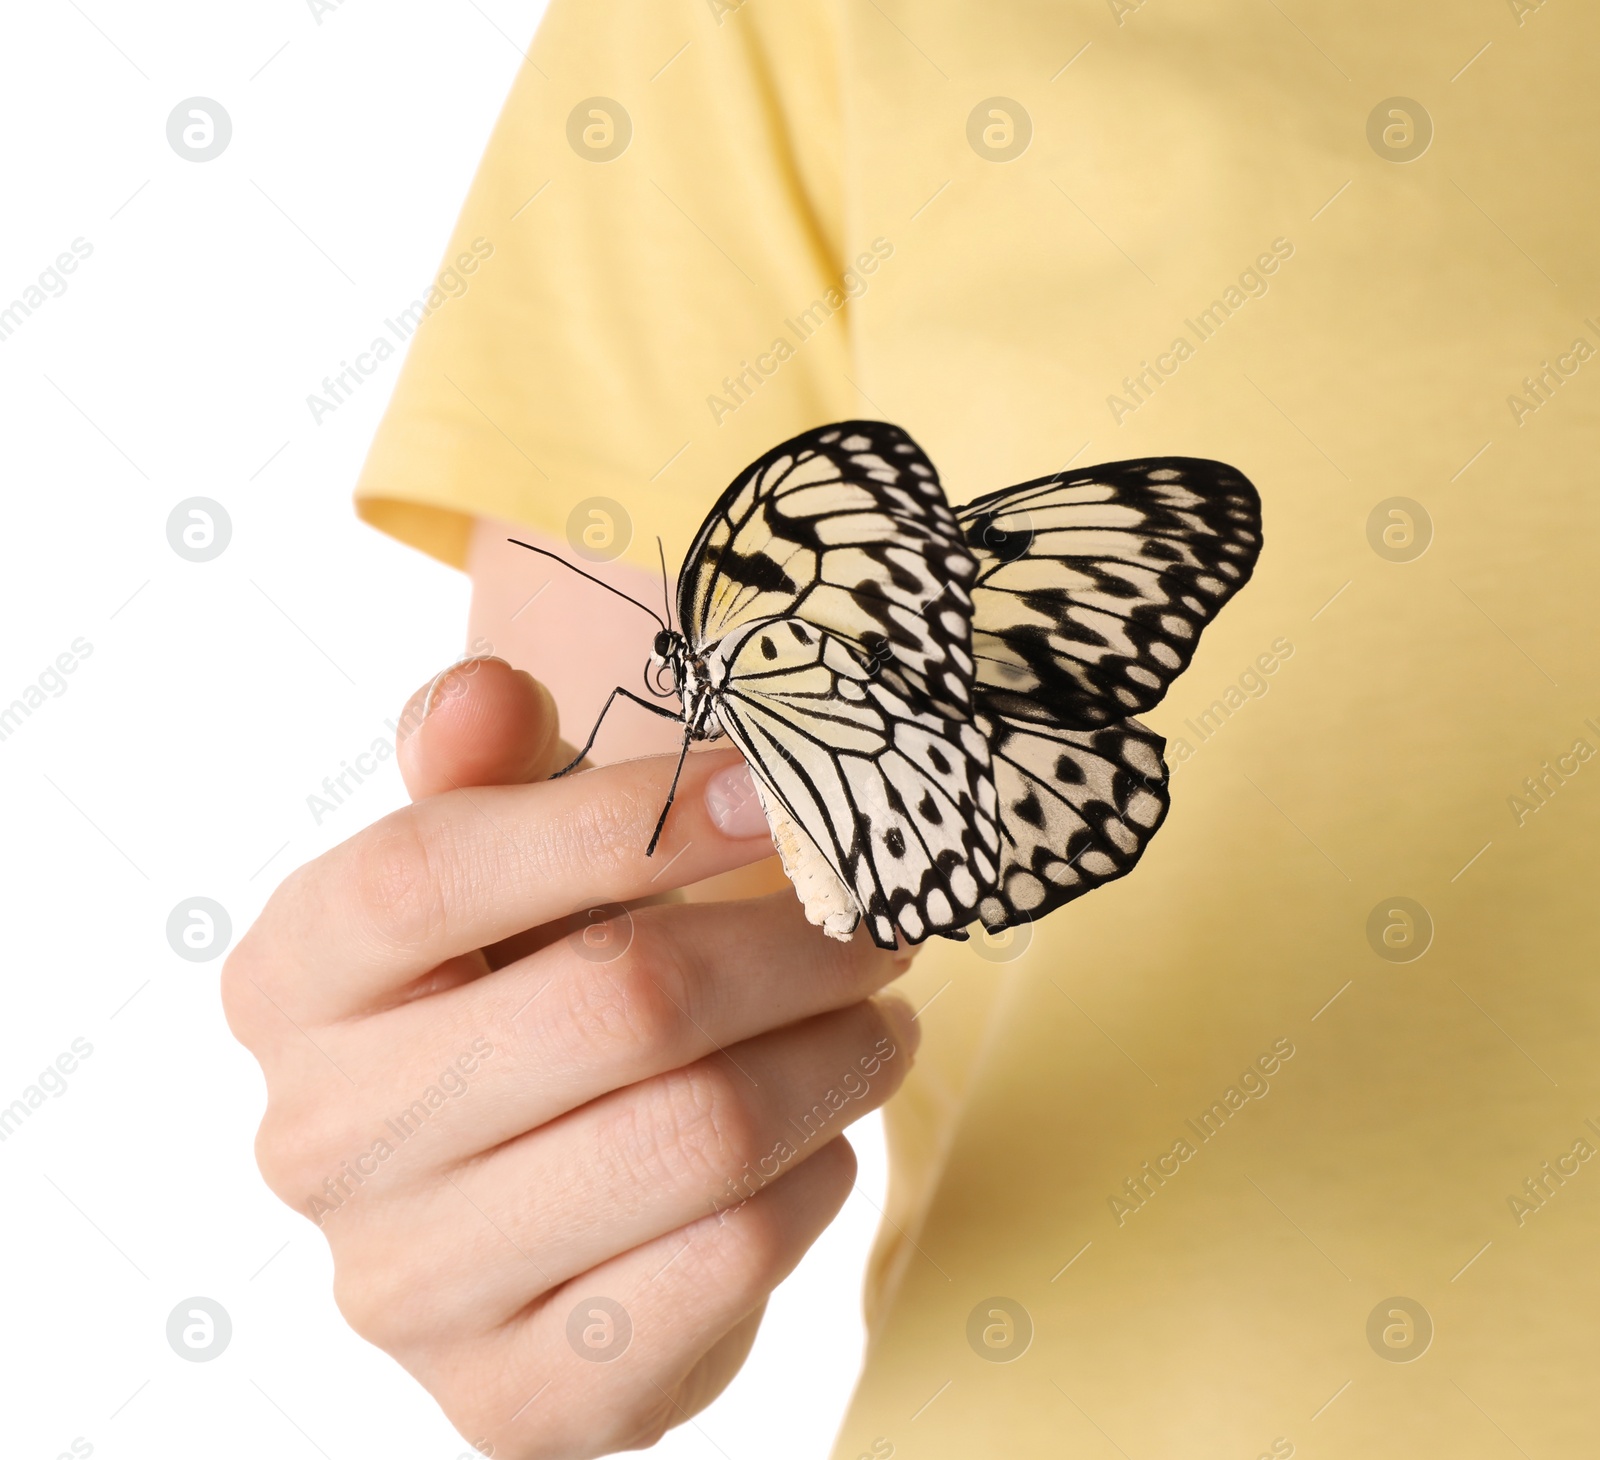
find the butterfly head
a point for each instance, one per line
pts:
(669, 663)
(670, 650)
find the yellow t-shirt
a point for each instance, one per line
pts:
(1285, 1143)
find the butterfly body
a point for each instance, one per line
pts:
(936, 704)
(693, 680)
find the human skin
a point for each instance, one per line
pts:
(582, 642)
(618, 1139)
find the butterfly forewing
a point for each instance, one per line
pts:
(1093, 588)
(1076, 807)
(896, 795)
(846, 527)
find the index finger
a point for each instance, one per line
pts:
(471, 867)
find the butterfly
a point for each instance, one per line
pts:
(937, 705)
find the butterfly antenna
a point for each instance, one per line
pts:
(666, 592)
(545, 553)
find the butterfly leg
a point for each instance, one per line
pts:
(672, 794)
(589, 743)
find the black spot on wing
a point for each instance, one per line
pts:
(1069, 771)
(879, 651)
(1078, 808)
(757, 571)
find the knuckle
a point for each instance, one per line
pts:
(392, 1291)
(889, 1052)
(633, 1008)
(760, 1252)
(847, 970)
(362, 1299)
(258, 971)
(700, 1126)
(240, 989)
(650, 1419)
(753, 1256)
(757, 1244)
(299, 1146)
(396, 892)
(476, 1401)
(285, 1154)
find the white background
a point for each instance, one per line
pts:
(177, 758)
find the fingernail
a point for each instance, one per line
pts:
(443, 689)
(903, 1021)
(547, 701)
(733, 805)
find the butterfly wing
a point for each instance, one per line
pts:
(847, 528)
(1076, 808)
(948, 752)
(1093, 588)
(1091, 595)
(895, 794)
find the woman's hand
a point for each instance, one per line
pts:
(561, 1157)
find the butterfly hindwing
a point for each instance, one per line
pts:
(1093, 587)
(1076, 807)
(847, 528)
(895, 793)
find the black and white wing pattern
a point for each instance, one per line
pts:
(1093, 587)
(847, 528)
(893, 793)
(1076, 809)
(936, 706)
(1091, 594)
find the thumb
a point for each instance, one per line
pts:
(480, 723)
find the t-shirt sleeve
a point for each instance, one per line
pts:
(645, 289)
